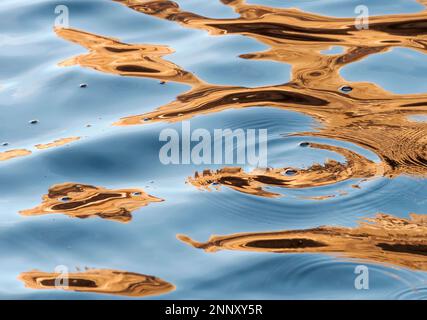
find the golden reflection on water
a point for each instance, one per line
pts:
(368, 115)
(17, 153)
(85, 201)
(384, 239)
(103, 281)
(57, 143)
(11, 154)
(317, 175)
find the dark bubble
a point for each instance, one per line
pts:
(34, 121)
(65, 199)
(346, 89)
(5, 144)
(83, 85)
(290, 172)
(136, 193)
(304, 144)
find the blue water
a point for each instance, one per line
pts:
(33, 86)
(403, 77)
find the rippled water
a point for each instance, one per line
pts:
(83, 188)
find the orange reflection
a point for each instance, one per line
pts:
(85, 201)
(104, 281)
(366, 115)
(57, 143)
(11, 154)
(317, 175)
(384, 239)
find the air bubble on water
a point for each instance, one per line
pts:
(34, 121)
(346, 89)
(304, 144)
(290, 172)
(65, 199)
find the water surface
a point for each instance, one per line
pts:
(83, 188)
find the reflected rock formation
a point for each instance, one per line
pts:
(383, 239)
(85, 201)
(103, 281)
(317, 175)
(366, 115)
